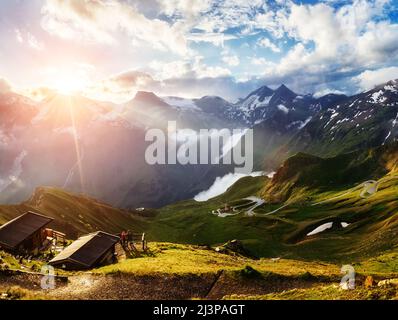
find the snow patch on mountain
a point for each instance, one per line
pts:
(321, 228)
(394, 122)
(253, 102)
(390, 88)
(180, 103)
(304, 123)
(377, 97)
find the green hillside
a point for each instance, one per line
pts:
(305, 193)
(189, 256)
(75, 214)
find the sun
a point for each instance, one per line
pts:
(68, 85)
(68, 82)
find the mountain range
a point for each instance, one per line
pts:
(98, 148)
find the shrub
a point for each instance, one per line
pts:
(249, 272)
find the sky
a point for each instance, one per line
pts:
(108, 49)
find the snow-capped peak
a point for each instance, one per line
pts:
(181, 103)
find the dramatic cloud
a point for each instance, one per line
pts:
(334, 40)
(188, 68)
(123, 86)
(101, 20)
(370, 78)
(197, 47)
(185, 8)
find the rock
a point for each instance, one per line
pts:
(236, 246)
(388, 282)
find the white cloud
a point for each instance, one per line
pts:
(378, 44)
(231, 60)
(18, 36)
(326, 91)
(217, 39)
(328, 43)
(230, 14)
(183, 82)
(260, 61)
(34, 43)
(121, 87)
(29, 39)
(221, 184)
(266, 43)
(188, 68)
(102, 20)
(331, 43)
(370, 78)
(186, 8)
(270, 21)
(343, 37)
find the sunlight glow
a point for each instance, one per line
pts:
(68, 83)
(76, 141)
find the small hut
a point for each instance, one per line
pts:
(93, 250)
(25, 233)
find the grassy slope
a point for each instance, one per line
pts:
(373, 226)
(169, 258)
(373, 221)
(180, 259)
(192, 222)
(326, 292)
(75, 214)
(318, 280)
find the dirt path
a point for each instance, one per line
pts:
(123, 287)
(157, 287)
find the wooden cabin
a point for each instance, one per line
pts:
(90, 251)
(26, 233)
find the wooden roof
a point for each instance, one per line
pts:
(14, 232)
(87, 250)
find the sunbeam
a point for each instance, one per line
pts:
(76, 142)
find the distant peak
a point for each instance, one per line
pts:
(148, 97)
(265, 90)
(211, 98)
(261, 92)
(283, 90)
(393, 82)
(145, 94)
(282, 87)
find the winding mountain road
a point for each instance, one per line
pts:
(369, 188)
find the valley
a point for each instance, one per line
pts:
(268, 236)
(85, 132)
